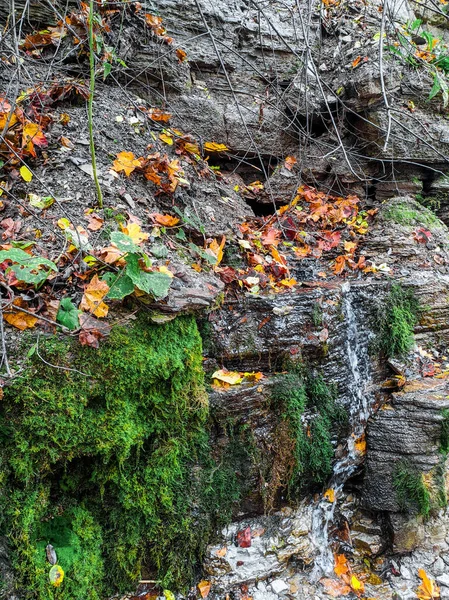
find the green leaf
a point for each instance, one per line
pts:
(68, 314)
(28, 267)
(155, 284)
(416, 23)
(210, 259)
(120, 285)
(124, 242)
(40, 202)
(436, 87)
(106, 69)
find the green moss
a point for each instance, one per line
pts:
(404, 213)
(114, 468)
(310, 409)
(444, 437)
(397, 319)
(411, 493)
(317, 315)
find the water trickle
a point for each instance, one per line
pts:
(359, 408)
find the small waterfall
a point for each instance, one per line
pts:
(358, 408)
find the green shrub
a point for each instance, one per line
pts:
(397, 318)
(113, 469)
(411, 493)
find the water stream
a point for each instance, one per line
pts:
(344, 467)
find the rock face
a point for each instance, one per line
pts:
(409, 429)
(297, 96)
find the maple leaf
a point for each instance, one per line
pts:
(92, 300)
(32, 135)
(134, 231)
(428, 590)
(127, 162)
(216, 250)
(339, 265)
(165, 220)
(204, 588)
(19, 319)
(156, 114)
(341, 565)
(290, 162)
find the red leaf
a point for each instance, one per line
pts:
(244, 538)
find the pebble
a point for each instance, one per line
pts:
(443, 579)
(279, 586)
(438, 567)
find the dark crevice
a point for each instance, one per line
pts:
(262, 209)
(249, 168)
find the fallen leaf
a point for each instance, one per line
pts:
(181, 54)
(166, 138)
(134, 231)
(92, 300)
(244, 538)
(56, 575)
(335, 588)
(221, 552)
(127, 162)
(158, 115)
(25, 173)
(341, 565)
(329, 495)
(356, 62)
(165, 220)
(428, 590)
(357, 585)
(20, 319)
(360, 445)
(95, 222)
(204, 588)
(230, 377)
(214, 147)
(290, 162)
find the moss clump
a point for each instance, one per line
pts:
(444, 436)
(411, 492)
(406, 213)
(397, 318)
(112, 468)
(309, 408)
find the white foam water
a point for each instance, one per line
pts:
(344, 467)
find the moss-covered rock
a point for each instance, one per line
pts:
(105, 455)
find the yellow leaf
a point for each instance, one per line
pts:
(25, 173)
(231, 377)
(166, 270)
(192, 148)
(214, 147)
(428, 590)
(63, 223)
(20, 319)
(360, 445)
(166, 138)
(135, 232)
(204, 588)
(216, 249)
(92, 300)
(330, 495)
(127, 162)
(56, 575)
(356, 584)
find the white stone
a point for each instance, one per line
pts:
(279, 586)
(438, 567)
(443, 580)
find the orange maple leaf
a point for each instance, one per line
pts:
(428, 590)
(165, 220)
(127, 162)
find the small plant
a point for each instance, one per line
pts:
(444, 437)
(317, 315)
(411, 492)
(398, 317)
